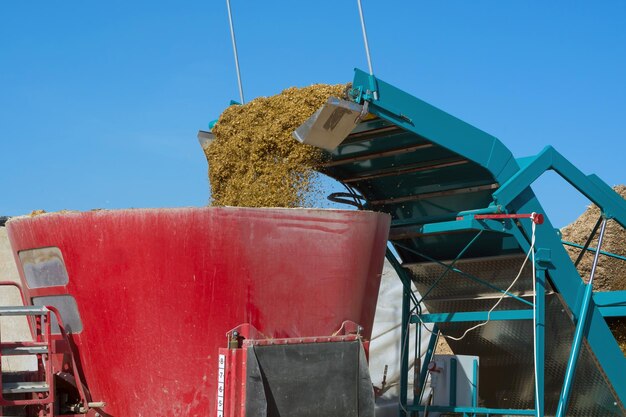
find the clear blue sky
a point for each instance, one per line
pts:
(100, 102)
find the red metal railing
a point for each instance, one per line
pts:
(41, 334)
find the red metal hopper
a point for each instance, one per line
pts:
(149, 294)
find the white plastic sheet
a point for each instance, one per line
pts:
(385, 349)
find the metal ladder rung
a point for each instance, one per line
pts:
(23, 311)
(24, 350)
(24, 387)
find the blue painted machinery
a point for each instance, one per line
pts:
(471, 236)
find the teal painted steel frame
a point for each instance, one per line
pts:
(513, 196)
(407, 298)
(541, 262)
(427, 358)
(592, 250)
(570, 371)
(466, 316)
(452, 385)
(611, 303)
(549, 159)
(474, 411)
(466, 275)
(475, 383)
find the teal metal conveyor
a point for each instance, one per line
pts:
(469, 233)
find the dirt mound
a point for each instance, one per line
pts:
(610, 272)
(254, 161)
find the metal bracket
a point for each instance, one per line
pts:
(349, 327)
(543, 258)
(356, 94)
(247, 331)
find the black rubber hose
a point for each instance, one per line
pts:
(345, 198)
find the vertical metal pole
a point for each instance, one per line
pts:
(417, 362)
(404, 359)
(452, 387)
(367, 48)
(427, 358)
(232, 37)
(475, 383)
(578, 333)
(540, 332)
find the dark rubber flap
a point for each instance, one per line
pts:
(309, 380)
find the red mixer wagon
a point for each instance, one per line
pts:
(166, 309)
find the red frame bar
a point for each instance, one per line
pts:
(76, 373)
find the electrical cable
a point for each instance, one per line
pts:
(356, 197)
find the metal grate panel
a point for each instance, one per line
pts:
(505, 348)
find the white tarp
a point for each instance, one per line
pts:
(385, 349)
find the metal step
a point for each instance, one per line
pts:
(23, 311)
(24, 387)
(24, 350)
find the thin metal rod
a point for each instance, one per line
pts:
(451, 266)
(578, 333)
(232, 37)
(417, 364)
(475, 383)
(588, 242)
(462, 273)
(453, 191)
(597, 254)
(367, 46)
(411, 169)
(603, 252)
(374, 155)
(432, 343)
(539, 324)
(452, 387)
(404, 347)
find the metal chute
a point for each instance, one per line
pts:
(331, 124)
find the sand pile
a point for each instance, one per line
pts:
(255, 162)
(611, 272)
